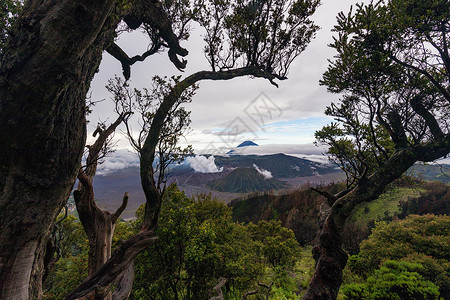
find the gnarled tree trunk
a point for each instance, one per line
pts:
(52, 54)
(49, 61)
(97, 223)
(328, 253)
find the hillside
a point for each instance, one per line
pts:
(431, 172)
(301, 209)
(246, 180)
(280, 165)
(298, 210)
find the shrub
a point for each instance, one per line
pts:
(394, 280)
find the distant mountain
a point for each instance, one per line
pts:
(431, 172)
(246, 180)
(110, 187)
(280, 165)
(247, 143)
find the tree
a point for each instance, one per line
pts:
(50, 56)
(40, 162)
(198, 243)
(243, 38)
(278, 243)
(417, 239)
(394, 280)
(98, 224)
(393, 70)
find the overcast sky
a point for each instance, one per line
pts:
(254, 108)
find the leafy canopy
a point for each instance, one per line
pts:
(267, 34)
(417, 239)
(392, 69)
(198, 243)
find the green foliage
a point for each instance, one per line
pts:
(392, 69)
(122, 231)
(9, 10)
(66, 275)
(394, 280)
(278, 243)
(421, 239)
(71, 268)
(198, 243)
(265, 34)
(72, 238)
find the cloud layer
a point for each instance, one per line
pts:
(202, 164)
(120, 159)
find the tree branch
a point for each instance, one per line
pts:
(398, 134)
(397, 164)
(150, 144)
(425, 73)
(116, 265)
(126, 61)
(430, 120)
(218, 289)
(330, 198)
(94, 149)
(153, 14)
(120, 210)
(84, 179)
(254, 292)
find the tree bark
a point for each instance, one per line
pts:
(125, 284)
(51, 56)
(112, 270)
(53, 53)
(97, 223)
(328, 253)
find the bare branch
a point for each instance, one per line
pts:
(120, 210)
(218, 289)
(330, 198)
(126, 61)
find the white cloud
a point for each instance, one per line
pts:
(265, 173)
(323, 159)
(202, 164)
(120, 159)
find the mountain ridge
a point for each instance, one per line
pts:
(246, 180)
